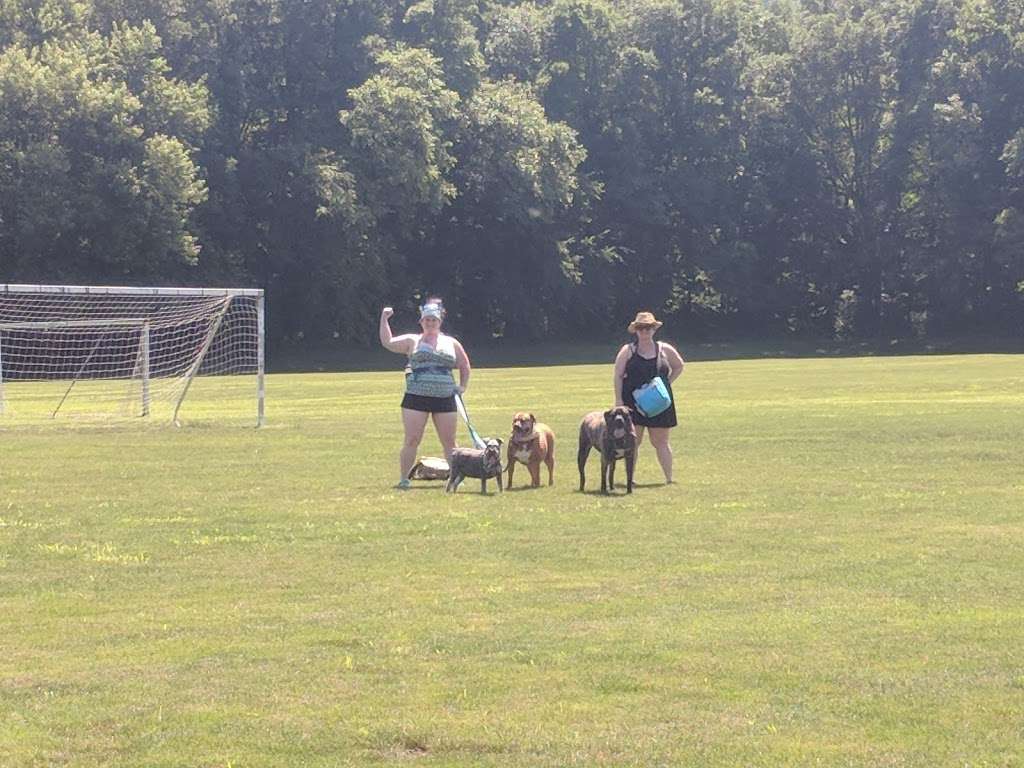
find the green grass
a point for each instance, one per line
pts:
(835, 580)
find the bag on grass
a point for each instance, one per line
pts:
(429, 468)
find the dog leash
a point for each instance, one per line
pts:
(477, 440)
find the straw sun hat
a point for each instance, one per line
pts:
(644, 318)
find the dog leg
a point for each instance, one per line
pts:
(500, 489)
(534, 474)
(581, 459)
(630, 466)
(604, 474)
(611, 471)
(511, 465)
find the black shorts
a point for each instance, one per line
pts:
(429, 404)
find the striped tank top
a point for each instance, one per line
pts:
(430, 370)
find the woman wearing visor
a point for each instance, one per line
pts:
(429, 382)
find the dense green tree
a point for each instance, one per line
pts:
(785, 217)
(518, 41)
(399, 125)
(669, 158)
(501, 247)
(96, 156)
(967, 195)
(800, 166)
(858, 94)
(449, 29)
(284, 211)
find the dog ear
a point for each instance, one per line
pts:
(532, 418)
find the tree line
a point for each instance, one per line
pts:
(849, 168)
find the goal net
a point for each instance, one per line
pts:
(106, 352)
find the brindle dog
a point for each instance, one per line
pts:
(613, 434)
(476, 462)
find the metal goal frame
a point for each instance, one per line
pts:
(142, 324)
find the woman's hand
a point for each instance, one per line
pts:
(386, 313)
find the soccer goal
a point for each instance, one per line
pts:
(108, 351)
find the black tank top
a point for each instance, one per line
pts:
(640, 370)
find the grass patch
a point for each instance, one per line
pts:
(834, 580)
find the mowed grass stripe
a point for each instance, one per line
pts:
(834, 580)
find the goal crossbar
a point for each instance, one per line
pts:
(119, 290)
(53, 325)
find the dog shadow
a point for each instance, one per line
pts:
(617, 491)
(521, 488)
(462, 490)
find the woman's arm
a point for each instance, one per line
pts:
(400, 344)
(462, 363)
(675, 362)
(619, 372)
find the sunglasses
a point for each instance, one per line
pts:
(644, 327)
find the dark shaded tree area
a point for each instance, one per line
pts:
(813, 167)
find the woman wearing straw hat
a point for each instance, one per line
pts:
(637, 364)
(429, 385)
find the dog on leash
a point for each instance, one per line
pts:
(483, 463)
(532, 444)
(614, 436)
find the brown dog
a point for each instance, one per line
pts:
(613, 434)
(531, 443)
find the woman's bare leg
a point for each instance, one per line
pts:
(414, 422)
(446, 425)
(659, 439)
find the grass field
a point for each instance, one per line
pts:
(835, 580)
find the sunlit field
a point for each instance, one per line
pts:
(835, 579)
(209, 401)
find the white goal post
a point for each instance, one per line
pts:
(120, 351)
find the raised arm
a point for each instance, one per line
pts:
(400, 344)
(619, 372)
(462, 363)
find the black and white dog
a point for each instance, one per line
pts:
(476, 462)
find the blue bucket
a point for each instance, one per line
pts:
(652, 398)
